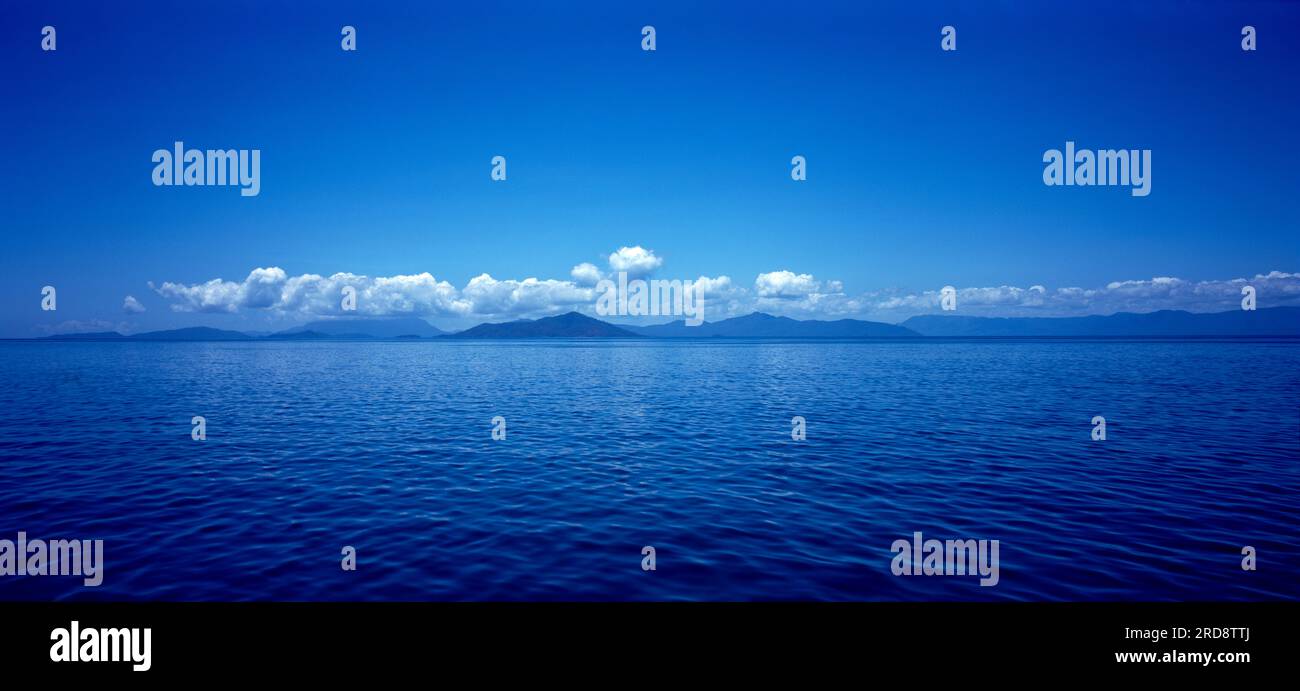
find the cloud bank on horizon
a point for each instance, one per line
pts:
(800, 295)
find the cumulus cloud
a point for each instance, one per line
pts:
(785, 284)
(636, 261)
(785, 292)
(422, 295)
(216, 295)
(586, 274)
(716, 287)
(131, 305)
(312, 294)
(488, 296)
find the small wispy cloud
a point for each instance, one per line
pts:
(1275, 289)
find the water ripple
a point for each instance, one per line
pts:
(684, 446)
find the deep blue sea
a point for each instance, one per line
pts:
(684, 446)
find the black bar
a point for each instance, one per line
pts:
(944, 642)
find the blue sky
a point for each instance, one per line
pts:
(924, 166)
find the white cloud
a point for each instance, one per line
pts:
(312, 294)
(131, 305)
(273, 292)
(586, 274)
(1160, 293)
(309, 295)
(216, 295)
(785, 284)
(262, 288)
(716, 287)
(805, 297)
(488, 296)
(636, 261)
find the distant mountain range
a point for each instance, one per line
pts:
(760, 325)
(363, 328)
(1275, 321)
(571, 325)
(193, 333)
(333, 329)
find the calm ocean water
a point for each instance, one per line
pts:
(685, 446)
